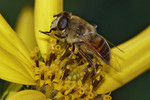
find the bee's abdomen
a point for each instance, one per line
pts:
(102, 47)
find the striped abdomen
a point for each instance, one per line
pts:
(101, 47)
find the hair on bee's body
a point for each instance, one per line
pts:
(76, 31)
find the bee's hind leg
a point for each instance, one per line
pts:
(91, 63)
(86, 57)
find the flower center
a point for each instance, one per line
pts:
(61, 74)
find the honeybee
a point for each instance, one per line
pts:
(81, 35)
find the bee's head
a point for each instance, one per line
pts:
(61, 21)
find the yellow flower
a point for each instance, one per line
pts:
(49, 74)
(25, 27)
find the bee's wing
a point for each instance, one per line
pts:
(114, 59)
(97, 43)
(113, 63)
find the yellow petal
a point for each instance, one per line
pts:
(12, 89)
(27, 95)
(13, 70)
(25, 27)
(134, 62)
(43, 16)
(12, 43)
(15, 56)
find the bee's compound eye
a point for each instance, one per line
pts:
(62, 23)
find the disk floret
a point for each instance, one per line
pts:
(61, 74)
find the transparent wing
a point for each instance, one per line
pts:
(114, 63)
(101, 56)
(115, 58)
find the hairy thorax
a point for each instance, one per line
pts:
(78, 29)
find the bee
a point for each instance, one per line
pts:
(81, 35)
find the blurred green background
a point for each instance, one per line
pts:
(117, 20)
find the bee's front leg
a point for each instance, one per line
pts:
(67, 52)
(47, 32)
(59, 36)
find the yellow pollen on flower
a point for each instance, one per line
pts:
(60, 74)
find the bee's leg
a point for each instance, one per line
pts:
(68, 61)
(67, 45)
(56, 15)
(67, 52)
(73, 47)
(47, 32)
(86, 71)
(59, 36)
(86, 68)
(72, 50)
(86, 57)
(90, 61)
